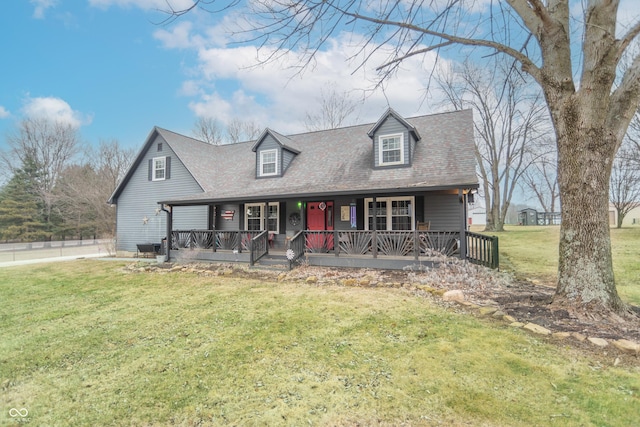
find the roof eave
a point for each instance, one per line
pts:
(314, 195)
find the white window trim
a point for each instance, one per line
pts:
(389, 215)
(155, 170)
(261, 205)
(380, 153)
(262, 163)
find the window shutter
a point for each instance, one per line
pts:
(150, 169)
(167, 165)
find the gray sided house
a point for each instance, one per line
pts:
(385, 194)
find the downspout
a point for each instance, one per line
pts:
(169, 212)
(463, 224)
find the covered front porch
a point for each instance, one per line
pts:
(392, 229)
(336, 248)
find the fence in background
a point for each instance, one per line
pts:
(37, 250)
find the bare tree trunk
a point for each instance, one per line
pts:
(585, 270)
(619, 219)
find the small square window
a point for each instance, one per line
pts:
(159, 146)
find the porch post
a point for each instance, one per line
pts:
(169, 238)
(463, 223)
(374, 237)
(266, 222)
(213, 210)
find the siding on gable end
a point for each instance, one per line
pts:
(269, 143)
(139, 200)
(389, 127)
(287, 158)
(442, 211)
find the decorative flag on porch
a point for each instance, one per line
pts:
(228, 215)
(354, 221)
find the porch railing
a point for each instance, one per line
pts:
(204, 239)
(295, 247)
(480, 249)
(483, 250)
(259, 247)
(374, 243)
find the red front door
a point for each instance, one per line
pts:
(320, 218)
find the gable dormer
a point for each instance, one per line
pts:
(394, 141)
(274, 154)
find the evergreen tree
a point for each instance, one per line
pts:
(21, 212)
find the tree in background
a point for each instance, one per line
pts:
(76, 190)
(541, 177)
(47, 147)
(510, 118)
(213, 132)
(334, 108)
(209, 130)
(243, 130)
(624, 187)
(20, 206)
(85, 187)
(111, 161)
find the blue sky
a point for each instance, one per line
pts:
(110, 68)
(100, 68)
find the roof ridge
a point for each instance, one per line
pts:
(419, 116)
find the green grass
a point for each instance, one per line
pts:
(84, 343)
(532, 252)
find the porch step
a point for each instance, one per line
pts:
(273, 262)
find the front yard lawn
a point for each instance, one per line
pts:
(86, 343)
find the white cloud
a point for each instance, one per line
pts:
(4, 113)
(144, 4)
(273, 95)
(41, 7)
(54, 109)
(179, 37)
(225, 81)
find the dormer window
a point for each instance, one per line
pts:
(268, 162)
(391, 150)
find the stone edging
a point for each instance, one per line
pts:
(457, 296)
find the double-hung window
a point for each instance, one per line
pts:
(254, 220)
(391, 150)
(268, 162)
(159, 168)
(392, 213)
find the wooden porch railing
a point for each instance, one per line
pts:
(295, 248)
(483, 250)
(374, 243)
(258, 247)
(204, 239)
(480, 249)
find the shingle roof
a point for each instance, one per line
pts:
(284, 141)
(338, 161)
